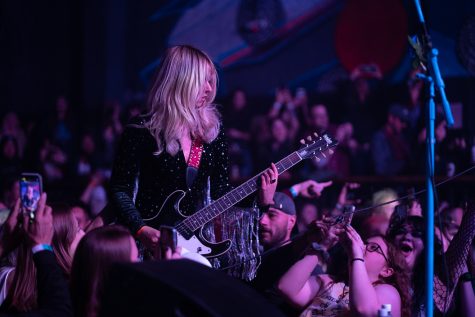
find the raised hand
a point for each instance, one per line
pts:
(325, 234)
(40, 229)
(268, 185)
(342, 197)
(311, 188)
(352, 243)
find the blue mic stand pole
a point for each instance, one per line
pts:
(435, 82)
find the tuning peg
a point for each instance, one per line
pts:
(317, 159)
(315, 134)
(323, 154)
(309, 138)
(330, 151)
(302, 141)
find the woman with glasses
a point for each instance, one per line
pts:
(375, 275)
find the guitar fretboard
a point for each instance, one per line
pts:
(208, 213)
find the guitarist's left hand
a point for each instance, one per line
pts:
(168, 254)
(268, 185)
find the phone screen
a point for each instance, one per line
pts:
(30, 192)
(348, 211)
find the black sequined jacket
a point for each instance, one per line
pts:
(150, 178)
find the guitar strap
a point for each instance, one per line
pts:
(193, 161)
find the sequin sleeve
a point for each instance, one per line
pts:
(220, 171)
(125, 174)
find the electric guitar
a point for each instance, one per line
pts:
(189, 229)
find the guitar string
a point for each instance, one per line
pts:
(188, 222)
(251, 184)
(318, 144)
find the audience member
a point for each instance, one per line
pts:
(22, 295)
(82, 215)
(376, 221)
(61, 129)
(11, 126)
(51, 293)
(376, 276)
(94, 195)
(278, 147)
(275, 231)
(67, 235)
(237, 125)
(390, 150)
(9, 193)
(307, 213)
(277, 221)
(10, 163)
(95, 254)
(407, 232)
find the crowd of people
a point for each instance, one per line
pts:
(306, 252)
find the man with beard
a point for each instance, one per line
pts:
(277, 221)
(276, 224)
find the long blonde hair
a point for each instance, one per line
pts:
(174, 95)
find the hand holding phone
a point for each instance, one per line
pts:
(347, 215)
(31, 188)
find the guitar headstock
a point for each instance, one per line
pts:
(317, 147)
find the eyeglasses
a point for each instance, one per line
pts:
(414, 232)
(374, 247)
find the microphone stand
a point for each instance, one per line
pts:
(435, 83)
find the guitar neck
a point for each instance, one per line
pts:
(208, 213)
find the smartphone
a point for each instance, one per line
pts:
(348, 212)
(31, 187)
(168, 238)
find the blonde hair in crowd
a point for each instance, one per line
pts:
(174, 95)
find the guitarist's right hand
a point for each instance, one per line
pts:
(150, 237)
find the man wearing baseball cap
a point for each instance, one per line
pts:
(275, 227)
(277, 221)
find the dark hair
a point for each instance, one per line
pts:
(417, 282)
(4, 140)
(400, 278)
(22, 294)
(399, 218)
(65, 231)
(96, 252)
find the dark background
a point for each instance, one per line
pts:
(95, 51)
